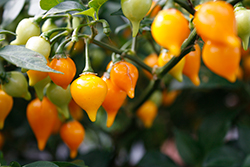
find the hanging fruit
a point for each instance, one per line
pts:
(176, 71)
(89, 91)
(67, 67)
(213, 17)
(17, 85)
(113, 100)
(223, 60)
(41, 116)
(192, 65)
(25, 29)
(147, 113)
(6, 103)
(169, 29)
(72, 133)
(242, 16)
(59, 97)
(125, 75)
(133, 13)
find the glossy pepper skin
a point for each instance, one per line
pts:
(89, 91)
(40, 45)
(41, 116)
(26, 28)
(218, 19)
(147, 113)
(223, 60)
(135, 10)
(242, 16)
(176, 71)
(60, 98)
(67, 67)
(6, 104)
(169, 29)
(17, 85)
(113, 100)
(125, 75)
(192, 65)
(72, 133)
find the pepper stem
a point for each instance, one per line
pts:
(88, 67)
(47, 34)
(60, 49)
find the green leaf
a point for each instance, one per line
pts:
(25, 58)
(41, 164)
(97, 158)
(224, 157)
(48, 4)
(156, 158)
(6, 32)
(76, 163)
(244, 138)
(66, 7)
(96, 4)
(213, 130)
(246, 162)
(79, 163)
(14, 164)
(11, 10)
(89, 12)
(2, 160)
(188, 148)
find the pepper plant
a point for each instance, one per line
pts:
(115, 83)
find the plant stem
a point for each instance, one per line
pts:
(106, 46)
(190, 4)
(60, 48)
(121, 52)
(47, 34)
(139, 62)
(133, 44)
(146, 94)
(55, 38)
(126, 45)
(88, 67)
(186, 48)
(186, 6)
(153, 45)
